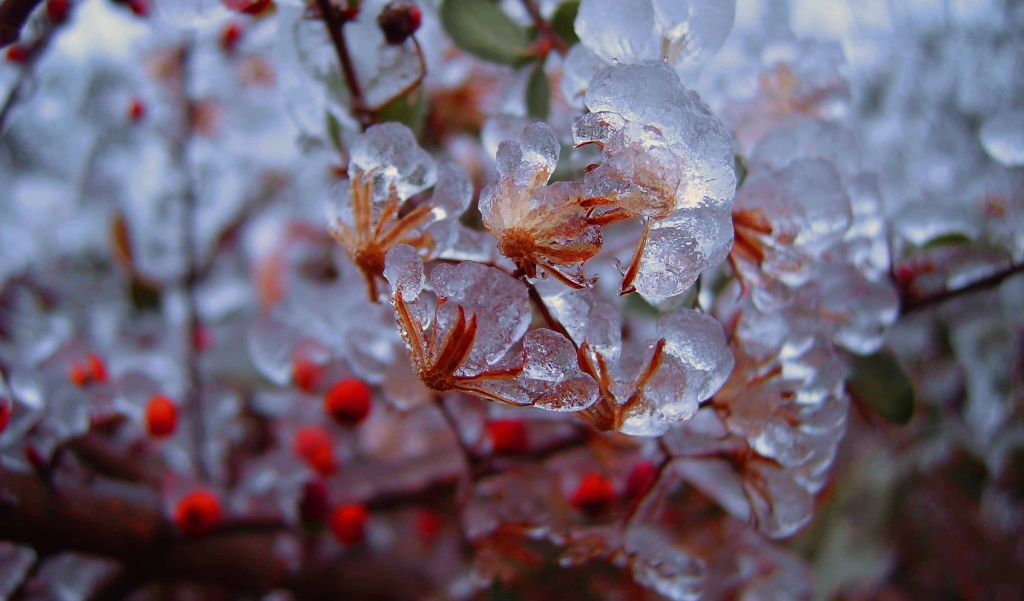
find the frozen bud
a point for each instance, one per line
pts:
(306, 373)
(348, 524)
(161, 416)
(348, 401)
(230, 36)
(399, 20)
(198, 513)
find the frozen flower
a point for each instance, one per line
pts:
(539, 225)
(386, 169)
(463, 343)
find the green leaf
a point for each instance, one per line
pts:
(538, 93)
(950, 239)
(482, 29)
(334, 130)
(741, 169)
(409, 110)
(563, 19)
(636, 305)
(880, 381)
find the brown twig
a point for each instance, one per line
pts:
(336, 30)
(909, 304)
(544, 27)
(13, 16)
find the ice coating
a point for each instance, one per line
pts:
(537, 225)
(649, 93)
(480, 314)
(388, 153)
(1002, 136)
(662, 566)
(452, 193)
(682, 33)
(499, 302)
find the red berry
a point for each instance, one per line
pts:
(197, 513)
(230, 36)
(507, 435)
(136, 110)
(640, 480)
(313, 444)
(348, 402)
(161, 416)
(79, 376)
(307, 374)
(140, 8)
(594, 494)
(5, 414)
(348, 523)
(399, 20)
(97, 368)
(428, 526)
(57, 10)
(17, 54)
(313, 505)
(249, 7)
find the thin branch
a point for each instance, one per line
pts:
(336, 30)
(544, 27)
(191, 279)
(910, 304)
(13, 16)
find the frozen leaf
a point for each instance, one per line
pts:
(15, 562)
(658, 564)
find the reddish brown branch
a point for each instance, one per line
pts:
(336, 30)
(910, 303)
(544, 27)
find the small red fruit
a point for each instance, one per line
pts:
(57, 10)
(17, 54)
(161, 416)
(230, 37)
(249, 7)
(348, 523)
(5, 414)
(313, 444)
(136, 110)
(79, 375)
(198, 513)
(97, 368)
(594, 494)
(640, 480)
(399, 20)
(306, 374)
(507, 436)
(140, 8)
(313, 505)
(428, 526)
(348, 402)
